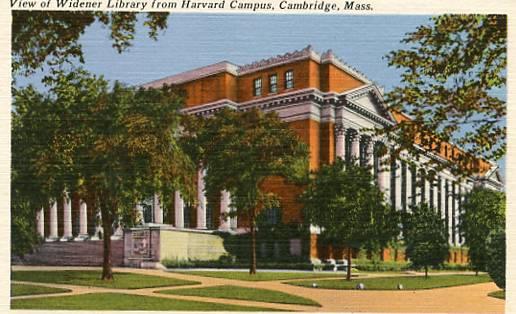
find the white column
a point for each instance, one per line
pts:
(443, 198)
(53, 236)
(449, 199)
(83, 221)
(428, 190)
(384, 176)
(340, 141)
(67, 219)
(40, 222)
(409, 188)
(355, 147)
(225, 200)
(456, 200)
(398, 185)
(201, 200)
(179, 210)
(157, 210)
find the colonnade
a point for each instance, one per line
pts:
(403, 185)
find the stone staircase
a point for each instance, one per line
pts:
(85, 253)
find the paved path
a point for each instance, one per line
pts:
(462, 299)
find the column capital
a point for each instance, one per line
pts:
(340, 129)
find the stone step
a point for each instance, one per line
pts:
(87, 253)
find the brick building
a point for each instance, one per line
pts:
(329, 104)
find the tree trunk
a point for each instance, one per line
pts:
(426, 272)
(107, 221)
(348, 269)
(476, 272)
(252, 268)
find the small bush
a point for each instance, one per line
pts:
(369, 265)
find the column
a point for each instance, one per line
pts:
(398, 185)
(443, 198)
(201, 200)
(157, 211)
(53, 236)
(409, 187)
(83, 221)
(340, 141)
(67, 218)
(384, 176)
(179, 210)
(225, 200)
(355, 146)
(449, 199)
(456, 203)
(40, 222)
(428, 190)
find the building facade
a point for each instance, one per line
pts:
(329, 105)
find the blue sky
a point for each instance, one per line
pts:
(195, 40)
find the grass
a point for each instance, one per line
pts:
(243, 293)
(124, 302)
(92, 279)
(391, 283)
(500, 294)
(262, 276)
(23, 289)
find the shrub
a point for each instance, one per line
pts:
(496, 258)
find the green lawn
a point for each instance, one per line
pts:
(243, 293)
(119, 301)
(500, 294)
(391, 283)
(23, 289)
(92, 278)
(262, 275)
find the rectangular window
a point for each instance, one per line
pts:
(186, 215)
(257, 87)
(209, 216)
(273, 83)
(423, 186)
(289, 79)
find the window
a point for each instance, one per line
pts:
(209, 216)
(272, 216)
(289, 79)
(273, 83)
(257, 87)
(186, 215)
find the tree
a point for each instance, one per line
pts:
(343, 200)
(484, 212)
(239, 151)
(452, 89)
(108, 146)
(425, 237)
(497, 257)
(52, 37)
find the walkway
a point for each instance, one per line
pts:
(470, 299)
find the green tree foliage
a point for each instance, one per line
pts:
(425, 237)
(52, 37)
(239, 151)
(343, 200)
(111, 147)
(497, 257)
(452, 87)
(484, 212)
